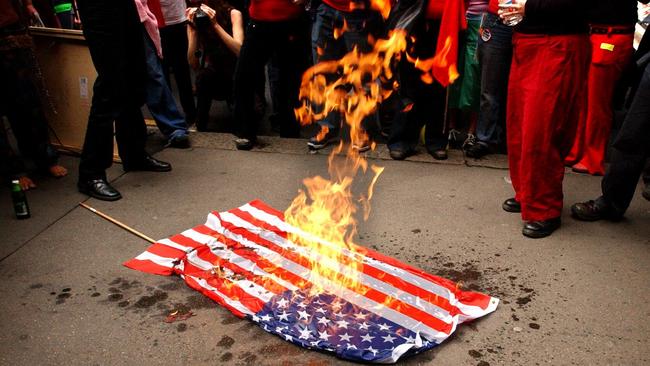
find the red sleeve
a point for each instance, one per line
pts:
(154, 6)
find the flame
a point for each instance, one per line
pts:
(382, 6)
(325, 211)
(338, 32)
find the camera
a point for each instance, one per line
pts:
(202, 20)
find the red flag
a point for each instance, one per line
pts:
(445, 63)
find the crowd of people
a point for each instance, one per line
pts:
(538, 79)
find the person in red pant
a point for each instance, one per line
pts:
(546, 87)
(611, 36)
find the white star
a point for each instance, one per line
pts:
(364, 325)
(360, 316)
(345, 337)
(302, 305)
(280, 329)
(367, 338)
(323, 320)
(284, 316)
(288, 338)
(304, 334)
(339, 314)
(314, 344)
(374, 351)
(321, 310)
(283, 303)
(323, 335)
(256, 318)
(384, 326)
(389, 338)
(409, 339)
(342, 324)
(303, 315)
(351, 346)
(266, 318)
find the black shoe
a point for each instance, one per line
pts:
(478, 150)
(438, 154)
(541, 229)
(331, 136)
(593, 211)
(100, 189)
(244, 144)
(511, 205)
(400, 154)
(148, 164)
(179, 142)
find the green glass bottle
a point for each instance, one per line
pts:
(21, 208)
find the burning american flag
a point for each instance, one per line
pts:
(368, 307)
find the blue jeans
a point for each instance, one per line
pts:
(495, 56)
(359, 23)
(159, 98)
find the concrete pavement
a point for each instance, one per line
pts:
(578, 297)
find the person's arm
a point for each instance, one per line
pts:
(192, 40)
(235, 41)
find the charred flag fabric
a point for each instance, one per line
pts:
(244, 260)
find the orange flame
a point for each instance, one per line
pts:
(382, 6)
(325, 211)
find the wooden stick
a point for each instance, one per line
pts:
(118, 223)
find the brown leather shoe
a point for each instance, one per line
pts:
(593, 211)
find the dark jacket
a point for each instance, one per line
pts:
(555, 17)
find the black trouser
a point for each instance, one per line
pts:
(20, 102)
(174, 46)
(211, 83)
(630, 151)
(289, 41)
(419, 103)
(112, 30)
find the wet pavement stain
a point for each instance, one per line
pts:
(181, 327)
(226, 342)
(35, 286)
(115, 297)
(474, 353)
(148, 301)
(226, 357)
(248, 358)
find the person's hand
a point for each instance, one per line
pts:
(189, 13)
(31, 11)
(517, 8)
(26, 183)
(211, 13)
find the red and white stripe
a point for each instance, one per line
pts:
(250, 246)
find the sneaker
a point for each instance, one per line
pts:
(179, 141)
(469, 142)
(362, 146)
(454, 138)
(478, 150)
(244, 144)
(330, 137)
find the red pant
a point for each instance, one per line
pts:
(610, 54)
(546, 90)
